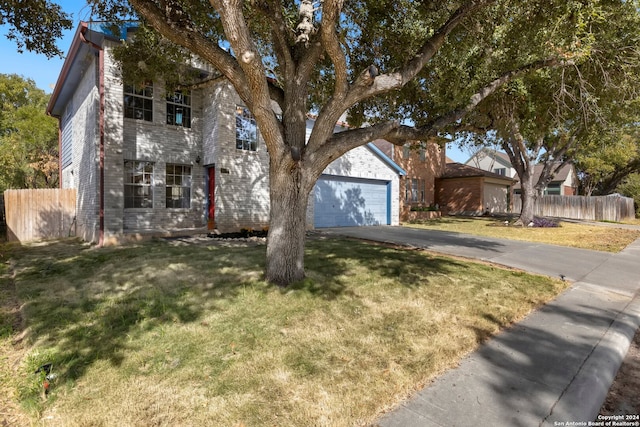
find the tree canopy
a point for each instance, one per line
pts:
(34, 25)
(560, 114)
(28, 137)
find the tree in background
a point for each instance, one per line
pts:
(630, 187)
(28, 137)
(551, 117)
(34, 25)
(610, 159)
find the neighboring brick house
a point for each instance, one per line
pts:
(148, 162)
(564, 183)
(465, 190)
(423, 164)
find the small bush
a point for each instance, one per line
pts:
(424, 208)
(544, 223)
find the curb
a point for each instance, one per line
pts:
(584, 396)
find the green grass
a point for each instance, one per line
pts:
(169, 334)
(599, 238)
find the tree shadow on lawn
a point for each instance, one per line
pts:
(332, 264)
(85, 305)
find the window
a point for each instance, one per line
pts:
(138, 102)
(179, 109)
(407, 190)
(552, 189)
(500, 171)
(178, 187)
(423, 152)
(246, 130)
(138, 184)
(415, 190)
(406, 151)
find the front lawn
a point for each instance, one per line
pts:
(598, 238)
(168, 333)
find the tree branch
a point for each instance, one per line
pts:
(250, 61)
(194, 42)
(363, 89)
(330, 14)
(341, 142)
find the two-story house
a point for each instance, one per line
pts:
(147, 161)
(564, 182)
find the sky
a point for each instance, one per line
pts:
(45, 71)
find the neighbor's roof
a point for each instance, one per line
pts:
(499, 156)
(458, 170)
(560, 176)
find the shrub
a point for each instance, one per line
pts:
(544, 222)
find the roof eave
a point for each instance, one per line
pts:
(386, 159)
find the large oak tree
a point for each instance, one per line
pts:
(382, 63)
(400, 69)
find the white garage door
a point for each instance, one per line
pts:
(348, 202)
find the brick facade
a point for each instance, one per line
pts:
(465, 190)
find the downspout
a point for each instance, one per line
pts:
(100, 130)
(59, 152)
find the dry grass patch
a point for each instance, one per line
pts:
(156, 334)
(599, 238)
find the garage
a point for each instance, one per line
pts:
(347, 202)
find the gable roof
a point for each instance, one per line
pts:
(458, 170)
(499, 156)
(88, 39)
(371, 146)
(559, 177)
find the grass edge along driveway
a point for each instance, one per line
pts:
(166, 334)
(576, 235)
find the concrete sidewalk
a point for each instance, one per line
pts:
(554, 367)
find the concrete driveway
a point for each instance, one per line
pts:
(551, 260)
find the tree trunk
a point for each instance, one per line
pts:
(286, 238)
(528, 197)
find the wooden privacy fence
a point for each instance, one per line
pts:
(40, 214)
(594, 208)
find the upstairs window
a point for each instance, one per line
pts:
(179, 109)
(178, 193)
(423, 152)
(500, 171)
(138, 102)
(406, 151)
(246, 130)
(138, 184)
